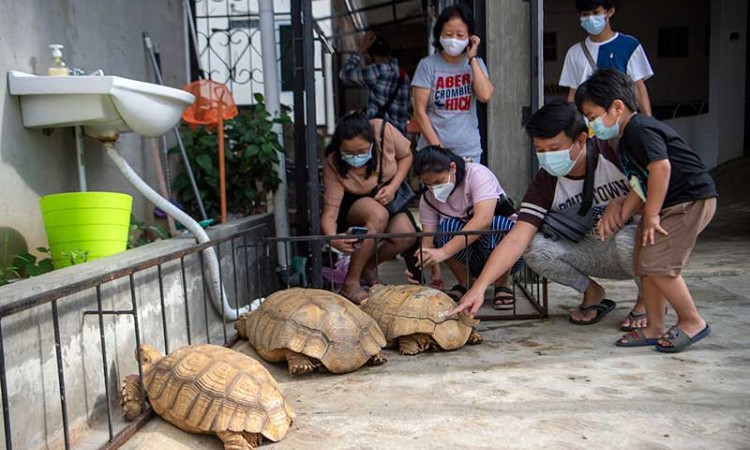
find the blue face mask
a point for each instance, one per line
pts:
(557, 163)
(604, 132)
(357, 160)
(594, 24)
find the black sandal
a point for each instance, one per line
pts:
(456, 292)
(504, 298)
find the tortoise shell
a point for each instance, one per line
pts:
(211, 389)
(316, 323)
(402, 310)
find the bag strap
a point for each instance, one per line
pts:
(384, 109)
(382, 151)
(424, 197)
(587, 53)
(588, 184)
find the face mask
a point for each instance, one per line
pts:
(453, 47)
(557, 163)
(604, 132)
(594, 24)
(442, 191)
(357, 160)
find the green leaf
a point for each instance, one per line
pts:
(205, 163)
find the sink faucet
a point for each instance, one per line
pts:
(76, 72)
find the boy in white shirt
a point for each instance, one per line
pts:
(605, 48)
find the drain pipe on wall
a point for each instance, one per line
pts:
(217, 293)
(271, 91)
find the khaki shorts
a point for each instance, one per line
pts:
(669, 254)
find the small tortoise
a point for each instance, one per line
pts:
(312, 329)
(210, 389)
(414, 317)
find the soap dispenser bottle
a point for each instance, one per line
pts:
(57, 68)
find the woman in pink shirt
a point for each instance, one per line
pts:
(462, 196)
(358, 188)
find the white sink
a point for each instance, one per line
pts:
(103, 105)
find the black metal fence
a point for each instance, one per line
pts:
(532, 286)
(176, 314)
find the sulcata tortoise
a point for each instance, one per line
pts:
(210, 389)
(312, 329)
(413, 317)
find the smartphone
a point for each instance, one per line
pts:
(357, 231)
(411, 265)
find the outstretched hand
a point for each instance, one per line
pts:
(470, 302)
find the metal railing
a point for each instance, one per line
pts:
(247, 273)
(530, 284)
(250, 257)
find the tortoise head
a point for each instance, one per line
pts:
(241, 325)
(149, 356)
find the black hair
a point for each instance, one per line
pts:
(590, 5)
(555, 117)
(604, 87)
(381, 47)
(462, 12)
(353, 125)
(434, 159)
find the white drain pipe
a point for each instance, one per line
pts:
(218, 295)
(271, 91)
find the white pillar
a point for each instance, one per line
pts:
(272, 93)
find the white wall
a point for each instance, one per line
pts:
(96, 34)
(719, 78)
(675, 79)
(727, 97)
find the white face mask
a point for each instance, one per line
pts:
(442, 191)
(454, 47)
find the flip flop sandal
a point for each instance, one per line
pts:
(504, 299)
(602, 309)
(636, 338)
(456, 292)
(679, 340)
(633, 316)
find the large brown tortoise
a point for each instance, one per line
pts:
(414, 318)
(313, 329)
(210, 389)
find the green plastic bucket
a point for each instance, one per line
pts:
(93, 222)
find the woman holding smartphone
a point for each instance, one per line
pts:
(447, 85)
(361, 175)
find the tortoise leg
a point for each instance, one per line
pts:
(299, 363)
(131, 398)
(377, 360)
(239, 441)
(413, 344)
(475, 338)
(253, 439)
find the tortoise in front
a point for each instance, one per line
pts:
(312, 329)
(210, 389)
(414, 318)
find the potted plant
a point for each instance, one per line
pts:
(251, 155)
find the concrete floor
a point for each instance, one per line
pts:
(543, 384)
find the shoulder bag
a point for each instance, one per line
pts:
(572, 224)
